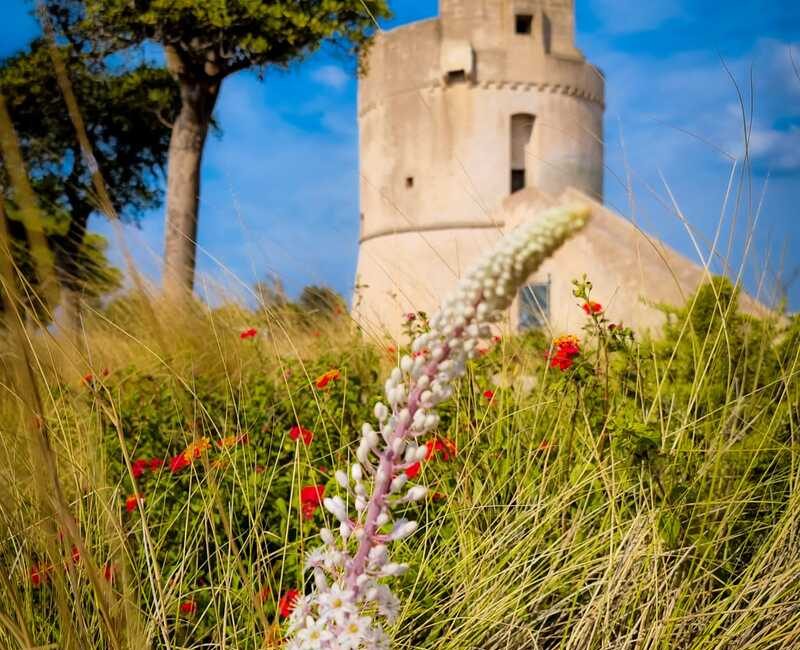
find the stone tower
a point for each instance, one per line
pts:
(456, 114)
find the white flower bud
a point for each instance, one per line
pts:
(381, 412)
(355, 472)
(402, 528)
(394, 569)
(416, 493)
(336, 507)
(341, 478)
(398, 482)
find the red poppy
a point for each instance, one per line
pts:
(248, 333)
(496, 339)
(612, 327)
(105, 372)
(412, 471)
(286, 603)
(156, 464)
(76, 554)
(108, 571)
(481, 351)
(188, 607)
(566, 349)
(411, 316)
(131, 501)
(88, 378)
(544, 445)
(592, 307)
(445, 447)
(177, 463)
(324, 379)
(38, 575)
(310, 499)
(302, 433)
(139, 466)
(488, 394)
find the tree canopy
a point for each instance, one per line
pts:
(205, 41)
(127, 114)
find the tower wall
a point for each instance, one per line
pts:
(435, 117)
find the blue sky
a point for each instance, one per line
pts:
(280, 183)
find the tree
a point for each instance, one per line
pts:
(205, 41)
(126, 112)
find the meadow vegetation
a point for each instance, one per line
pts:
(161, 478)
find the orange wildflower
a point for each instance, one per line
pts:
(196, 448)
(324, 379)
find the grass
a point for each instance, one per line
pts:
(644, 499)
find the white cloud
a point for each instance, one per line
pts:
(332, 76)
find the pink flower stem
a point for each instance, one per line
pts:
(383, 482)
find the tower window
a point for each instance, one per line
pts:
(523, 23)
(456, 76)
(534, 305)
(517, 180)
(409, 181)
(521, 133)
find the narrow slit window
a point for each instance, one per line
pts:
(523, 23)
(521, 133)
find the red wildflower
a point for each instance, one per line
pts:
(303, 433)
(481, 351)
(566, 349)
(412, 471)
(38, 575)
(76, 554)
(445, 447)
(496, 339)
(88, 378)
(488, 394)
(188, 607)
(592, 307)
(544, 445)
(325, 378)
(131, 501)
(138, 467)
(310, 499)
(248, 333)
(260, 469)
(411, 316)
(287, 601)
(177, 463)
(105, 372)
(612, 327)
(155, 464)
(108, 571)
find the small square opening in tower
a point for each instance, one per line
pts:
(523, 23)
(409, 181)
(456, 76)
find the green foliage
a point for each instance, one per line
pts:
(218, 37)
(623, 486)
(125, 113)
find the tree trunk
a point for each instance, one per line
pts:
(183, 183)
